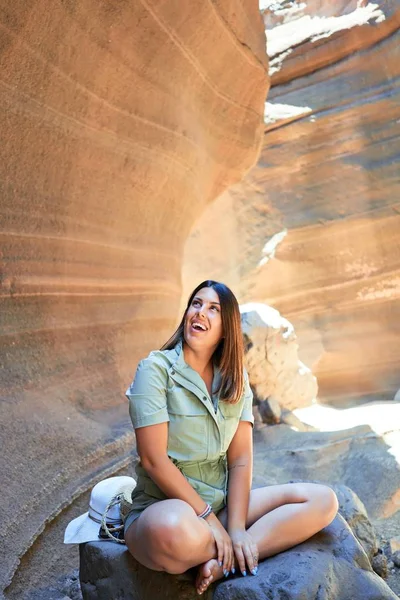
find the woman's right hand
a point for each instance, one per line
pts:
(223, 542)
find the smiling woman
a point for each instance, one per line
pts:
(191, 407)
(213, 306)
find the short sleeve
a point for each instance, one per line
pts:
(147, 395)
(247, 410)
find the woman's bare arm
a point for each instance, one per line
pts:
(240, 468)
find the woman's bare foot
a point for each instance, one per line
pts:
(208, 572)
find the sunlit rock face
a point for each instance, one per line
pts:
(271, 359)
(119, 123)
(314, 229)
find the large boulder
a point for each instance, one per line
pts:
(331, 565)
(356, 457)
(272, 358)
(355, 514)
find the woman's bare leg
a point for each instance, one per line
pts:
(296, 512)
(282, 516)
(168, 536)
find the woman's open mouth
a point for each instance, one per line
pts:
(198, 326)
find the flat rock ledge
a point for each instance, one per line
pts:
(332, 565)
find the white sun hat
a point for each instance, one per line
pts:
(86, 527)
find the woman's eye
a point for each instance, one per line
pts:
(198, 303)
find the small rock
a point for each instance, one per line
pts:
(379, 565)
(49, 593)
(394, 544)
(270, 411)
(70, 586)
(289, 418)
(396, 559)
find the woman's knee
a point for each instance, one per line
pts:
(325, 503)
(320, 499)
(170, 531)
(169, 547)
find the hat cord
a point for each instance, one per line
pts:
(113, 502)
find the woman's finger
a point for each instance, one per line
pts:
(227, 558)
(247, 551)
(220, 551)
(231, 559)
(240, 558)
(224, 562)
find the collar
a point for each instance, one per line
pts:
(179, 362)
(180, 365)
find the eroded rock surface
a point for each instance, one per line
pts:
(364, 460)
(120, 122)
(355, 457)
(313, 228)
(360, 458)
(330, 565)
(272, 358)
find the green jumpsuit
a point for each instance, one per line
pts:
(200, 427)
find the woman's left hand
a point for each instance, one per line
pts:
(245, 550)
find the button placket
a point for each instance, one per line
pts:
(183, 380)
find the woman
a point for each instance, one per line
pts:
(191, 407)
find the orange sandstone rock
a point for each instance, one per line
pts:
(315, 224)
(120, 122)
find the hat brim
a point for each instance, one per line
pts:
(81, 530)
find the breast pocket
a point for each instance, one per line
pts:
(188, 425)
(230, 421)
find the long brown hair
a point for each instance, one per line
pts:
(228, 356)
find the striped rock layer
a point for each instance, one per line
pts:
(119, 123)
(315, 226)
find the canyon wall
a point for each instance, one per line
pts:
(119, 123)
(314, 228)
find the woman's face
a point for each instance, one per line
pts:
(203, 322)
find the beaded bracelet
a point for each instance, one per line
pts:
(206, 512)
